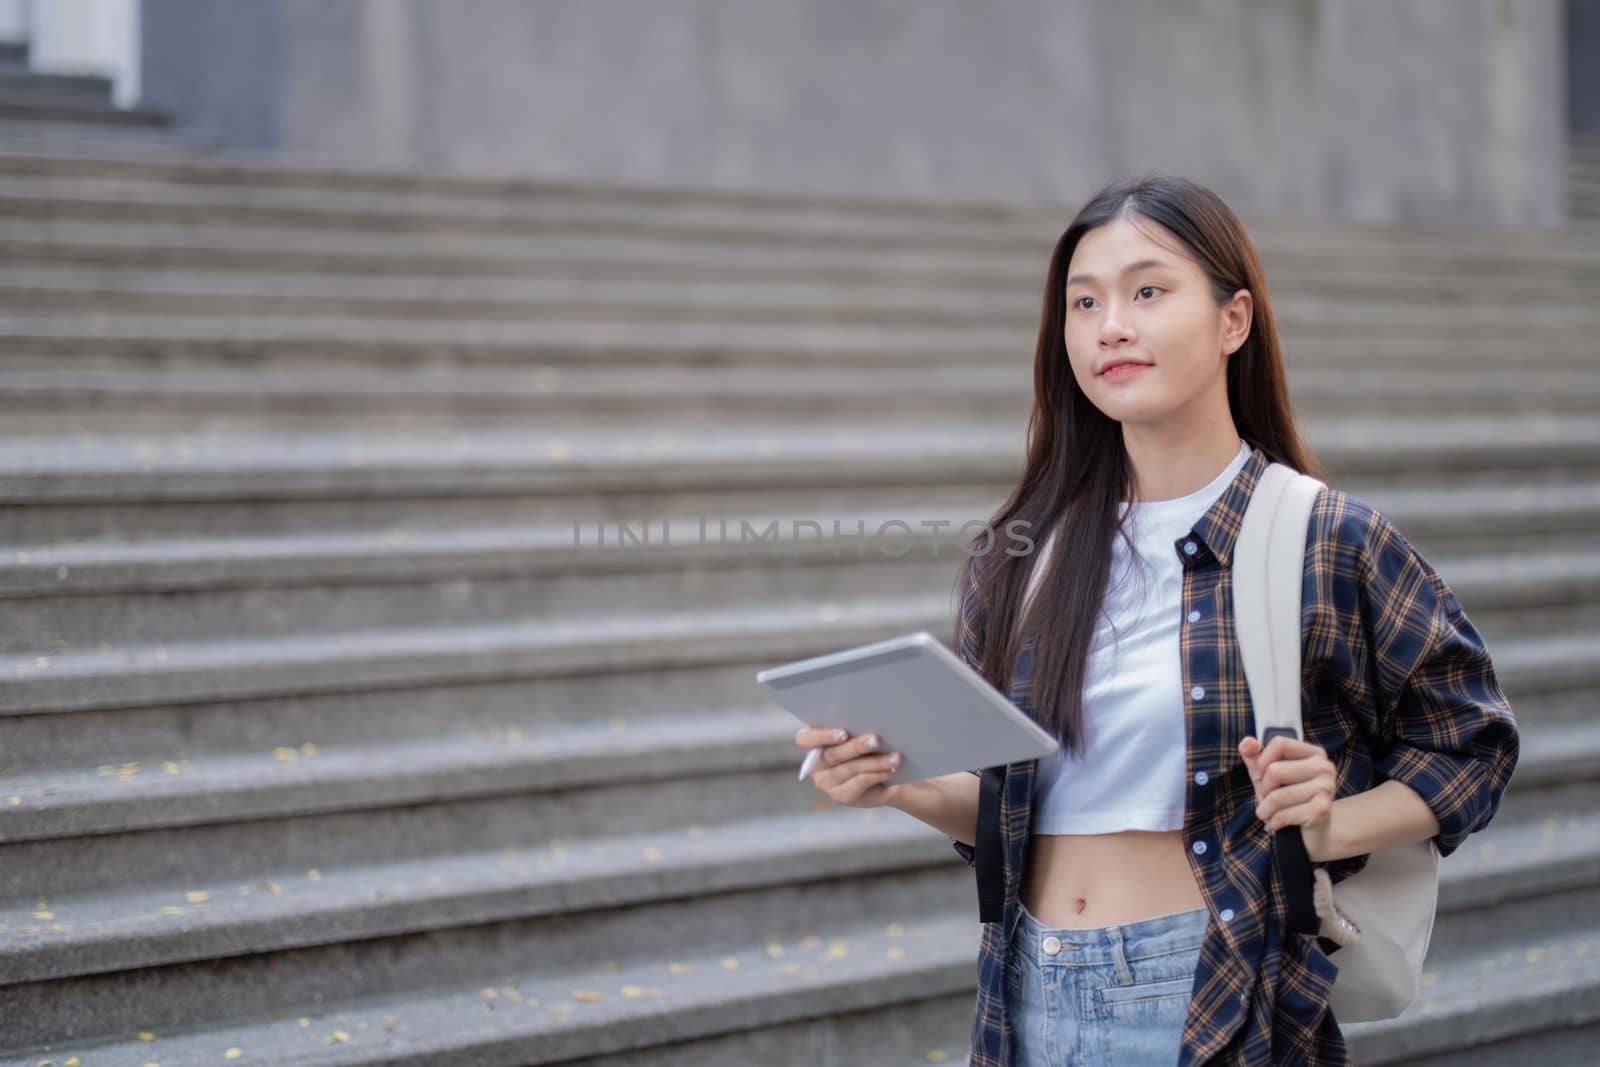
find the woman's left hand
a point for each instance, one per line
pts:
(1294, 783)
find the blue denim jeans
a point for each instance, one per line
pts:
(1111, 996)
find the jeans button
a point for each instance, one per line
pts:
(1052, 944)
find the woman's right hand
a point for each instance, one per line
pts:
(851, 771)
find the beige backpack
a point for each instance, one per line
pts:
(1381, 916)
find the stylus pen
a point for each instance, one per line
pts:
(813, 758)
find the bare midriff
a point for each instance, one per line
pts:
(1077, 881)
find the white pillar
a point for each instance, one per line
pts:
(13, 21)
(88, 37)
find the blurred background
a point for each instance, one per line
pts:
(419, 420)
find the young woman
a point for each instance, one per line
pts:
(1131, 911)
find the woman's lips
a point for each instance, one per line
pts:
(1124, 370)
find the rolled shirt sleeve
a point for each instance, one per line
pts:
(1445, 727)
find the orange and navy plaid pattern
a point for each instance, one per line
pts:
(1395, 683)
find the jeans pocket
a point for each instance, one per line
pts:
(1149, 994)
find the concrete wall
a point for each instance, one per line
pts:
(1371, 109)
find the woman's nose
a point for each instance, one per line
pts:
(1113, 329)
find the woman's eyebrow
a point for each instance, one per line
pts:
(1143, 264)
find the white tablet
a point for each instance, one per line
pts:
(919, 697)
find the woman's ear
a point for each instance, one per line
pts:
(1237, 316)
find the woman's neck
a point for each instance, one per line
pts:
(1167, 471)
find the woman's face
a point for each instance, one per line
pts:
(1133, 294)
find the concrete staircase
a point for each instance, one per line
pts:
(73, 109)
(323, 740)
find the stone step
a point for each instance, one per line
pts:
(73, 653)
(1530, 988)
(565, 458)
(639, 978)
(375, 767)
(575, 576)
(717, 275)
(551, 212)
(69, 109)
(47, 136)
(35, 395)
(701, 344)
(150, 293)
(306, 661)
(521, 1000)
(1562, 1044)
(261, 175)
(29, 86)
(1406, 271)
(169, 909)
(199, 764)
(414, 541)
(522, 872)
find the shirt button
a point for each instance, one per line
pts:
(1201, 778)
(1226, 915)
(1052, 944)
(1189, 548)
(1199, 848)
(1194, 616)
(1198, 692)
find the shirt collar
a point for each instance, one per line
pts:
(1218, 528)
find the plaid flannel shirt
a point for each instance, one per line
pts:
(1395, 683)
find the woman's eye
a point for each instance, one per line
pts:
(1078, 303)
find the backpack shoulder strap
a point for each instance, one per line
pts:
(1268, 567)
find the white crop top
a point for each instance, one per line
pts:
(1132, 775)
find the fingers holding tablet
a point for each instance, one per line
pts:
(851, 771)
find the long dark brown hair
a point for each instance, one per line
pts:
(1077, 472)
